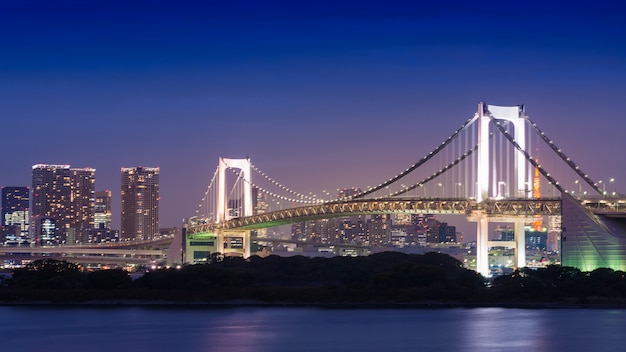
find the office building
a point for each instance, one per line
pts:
(15, 212)
(102, 210)
(82, 204)
(140, 203)
(51, 202)
(62, 203)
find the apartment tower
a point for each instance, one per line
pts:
(140, 203)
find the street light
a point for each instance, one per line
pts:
(460, 185)
(577, 182)
(610, 182)
(603, 188)
(443, 189)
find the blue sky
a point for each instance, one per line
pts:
(314, 92)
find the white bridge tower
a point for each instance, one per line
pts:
(233, 242)
(515, 115)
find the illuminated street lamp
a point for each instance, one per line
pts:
(443, 189)
(603, 187)
(610, 182)
(579, 187)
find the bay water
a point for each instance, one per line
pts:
(191, 328)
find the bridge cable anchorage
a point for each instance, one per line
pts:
(417, 164)
(564, 157)
(279, 185)
(275, 195)
(206, 193)
(435, 175)
(545, 174)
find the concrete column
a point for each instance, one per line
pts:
(482, 173)
(222, 201)
(221, 192)
(219, 237)
(520, 243)
(482, 246)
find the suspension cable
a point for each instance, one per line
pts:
(275, 195)
(436, 174)
(564, 157)
(206, 193)
(232, 190)
(279, 185)
(417, 164)
(545, 174)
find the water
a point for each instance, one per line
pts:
(97, 329)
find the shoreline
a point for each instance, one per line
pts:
(346, 306)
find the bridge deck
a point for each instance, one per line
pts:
(467, 207)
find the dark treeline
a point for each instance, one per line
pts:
(385, 278)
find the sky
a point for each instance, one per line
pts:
(319, 94)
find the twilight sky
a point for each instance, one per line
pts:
(320, 94)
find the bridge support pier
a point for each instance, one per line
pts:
(482, 245)
(520, 244)
(234, 243)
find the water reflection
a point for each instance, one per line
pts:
(293, 329)
(499, 329)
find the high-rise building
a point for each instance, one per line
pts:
(102, 210)
(259, 206)
(101, 231)
(379, 229)
(51, 202)
(62, 202)
(83, 191)
(15, 211)
(140, 203)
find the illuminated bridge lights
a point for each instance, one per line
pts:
(510, 207)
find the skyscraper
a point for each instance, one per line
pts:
(51, 202)
(82, 204)
(15, 211)
(62, 202)
(102, 231)
(140, 203)
(102, 210)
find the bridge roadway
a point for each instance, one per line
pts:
(493, 208)
(83, 251)
(129, 252)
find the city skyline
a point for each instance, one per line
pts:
(313, 94)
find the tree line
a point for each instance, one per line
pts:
(388, 277)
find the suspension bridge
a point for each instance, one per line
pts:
(492, 169)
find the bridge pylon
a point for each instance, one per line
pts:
(487, 183)
(233, 242)
(222, 196)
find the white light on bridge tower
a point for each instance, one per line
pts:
(482, 176)
(239, 241)
(222, 201)
(515, 115)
